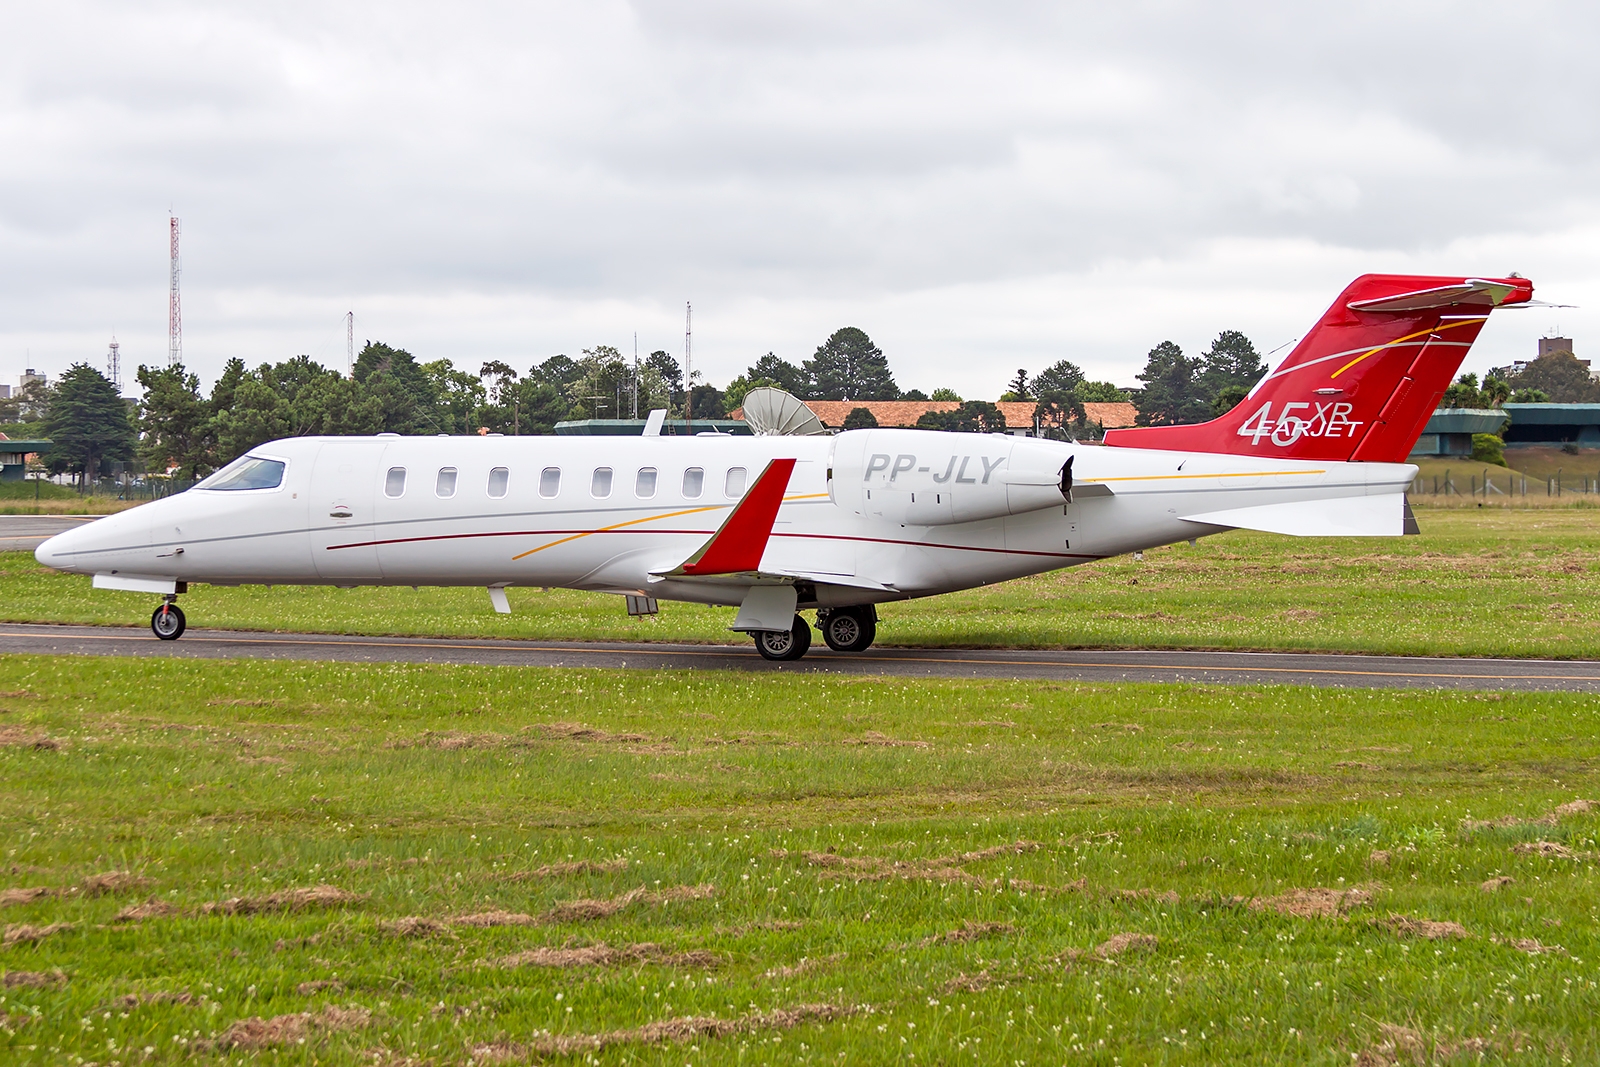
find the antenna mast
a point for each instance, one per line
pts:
(114, 366)
(636, 374)
(688, 375)
(174, 305)
(350, 344)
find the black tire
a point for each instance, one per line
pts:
(782, 647)
(168, 622)
(850, 629)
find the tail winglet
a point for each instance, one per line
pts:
(1363, 383)
(741, 540)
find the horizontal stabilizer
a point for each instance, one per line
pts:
(1350, 516)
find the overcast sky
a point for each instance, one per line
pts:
(980, 187)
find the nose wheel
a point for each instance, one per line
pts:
(784, 645)
(168, 621)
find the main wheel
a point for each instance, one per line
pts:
(780, 645)
(850, 629)
(168, 622)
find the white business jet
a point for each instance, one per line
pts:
(784, 522)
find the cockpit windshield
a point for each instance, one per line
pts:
(247, 472)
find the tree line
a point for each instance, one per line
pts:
(179, 427)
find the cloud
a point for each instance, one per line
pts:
(978, 187)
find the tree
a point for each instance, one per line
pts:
(1227, 399)
(913, 394)
(1561, 377)
(459, 394)
(1496, 390)
(946, 395)
(1018, 389)
(1101, 393)
(405, 392)
(604, 389)
(974, 416)
(1231, 361)
(26, 409)
(504, 394)
(706, 403)
(175, 423)
(783, 374)
(860, 419)
(1464, 393)
(1530, 396)
(740, 387)
(560, 371)
(259, 413)
(88, 423)
(671, 375)
(848, 366)
(1059, 413)
(1060, 377)
(1172, 396)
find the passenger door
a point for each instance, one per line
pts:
(344, 488)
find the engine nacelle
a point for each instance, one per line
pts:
(918, 478)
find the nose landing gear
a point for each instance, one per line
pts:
(168, 621)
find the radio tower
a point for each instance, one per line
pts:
(114, 366)
(688, 375)
(174, 306)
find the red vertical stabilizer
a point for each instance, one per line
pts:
(1362, 384)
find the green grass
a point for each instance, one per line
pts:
(1477, 582)
(439, 792)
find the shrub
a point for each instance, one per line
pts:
(1487, 448)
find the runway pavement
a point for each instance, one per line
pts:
(24, 533)
(1088, 665)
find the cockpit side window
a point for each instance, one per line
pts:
(247, 472)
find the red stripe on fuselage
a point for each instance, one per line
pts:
(705, 533)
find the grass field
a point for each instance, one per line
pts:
(47, 498)
(346, 864)
(1477, 582)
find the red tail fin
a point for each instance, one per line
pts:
(1362, 384)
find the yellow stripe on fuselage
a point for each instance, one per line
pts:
(648, 518)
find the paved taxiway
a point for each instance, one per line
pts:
(24, 533)
(1088, 666)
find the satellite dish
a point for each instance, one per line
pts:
(775, 413)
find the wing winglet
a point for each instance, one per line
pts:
(741, 540)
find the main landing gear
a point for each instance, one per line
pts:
(168, 621)
(780, 645)
(849, 629)
(844, 629)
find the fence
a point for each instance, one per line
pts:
(1511, 484)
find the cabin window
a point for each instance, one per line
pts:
(733, 485)
(394, 483)
(499, 478)
(693, 479)
(445, 484)
(550, 482)
(250, 472)
(600, 484)
(644, 486)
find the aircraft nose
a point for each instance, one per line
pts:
(85, 545)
